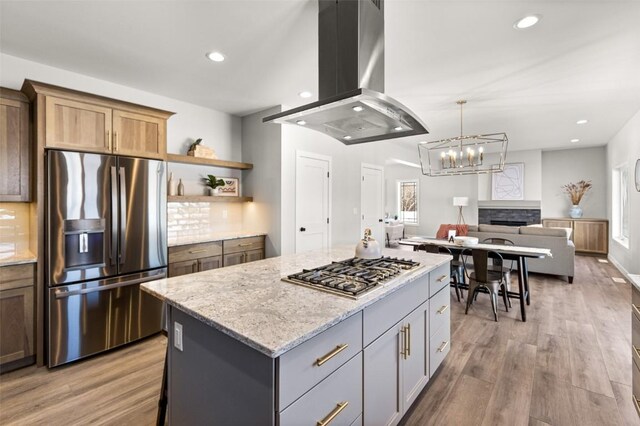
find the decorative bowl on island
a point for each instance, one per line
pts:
(465, 241)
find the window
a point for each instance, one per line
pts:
(620, 205)
(408, 201)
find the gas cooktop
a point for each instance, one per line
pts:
(353, 277)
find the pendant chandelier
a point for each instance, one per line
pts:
(464, 155)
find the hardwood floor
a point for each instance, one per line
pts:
(569, 364)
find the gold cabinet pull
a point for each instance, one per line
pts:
(442, 278)
(109, 140)
(403, 349)
(115, 141)
(408, 340)
(637, 403)
(442, 309)
(245, 244)
(197, 251)
(331, 354)
(443, 346)
(332, 415)
(635, 308)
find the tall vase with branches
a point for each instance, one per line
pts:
(576, 192)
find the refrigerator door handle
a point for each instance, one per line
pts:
(123, 213)
(60, 294)
(114, 216)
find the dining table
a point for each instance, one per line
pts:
(519, 254)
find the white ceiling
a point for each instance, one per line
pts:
(581, 61)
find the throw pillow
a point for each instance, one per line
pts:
(443, 231)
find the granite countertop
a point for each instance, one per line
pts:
(17, 258)
(205, 238)
(635, 280)
(252, 304)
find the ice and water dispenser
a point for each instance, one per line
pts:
(84, 243)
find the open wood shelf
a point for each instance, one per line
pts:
(187, 159)
(206, 199)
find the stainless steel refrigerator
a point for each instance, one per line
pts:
(106, 234)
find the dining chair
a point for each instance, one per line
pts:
(456, 271)
(498, 264)
(483, 277)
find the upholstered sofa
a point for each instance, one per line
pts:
(556, 239)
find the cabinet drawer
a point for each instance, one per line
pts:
(439, 278)
(383, 314)
(243, 244)
(16, 276)
(299, 369)
(635, 340)
(636, 387)
(635, 301)
(439, 311)
(439, 346)
(195, 251)
(339, 393)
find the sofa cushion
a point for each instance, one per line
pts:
(548, 231)
(500, 229)
(473, 228)
(443, 231)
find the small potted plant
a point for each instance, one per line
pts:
(576, 191)
(213, 183)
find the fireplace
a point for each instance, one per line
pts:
(508, 216)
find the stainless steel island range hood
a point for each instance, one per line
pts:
(352, 107)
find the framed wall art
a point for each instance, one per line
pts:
(508, 184)
(231, 188)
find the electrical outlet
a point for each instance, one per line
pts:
(224, 214)
(177, 335)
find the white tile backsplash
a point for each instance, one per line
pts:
(196, 219)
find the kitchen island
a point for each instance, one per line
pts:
(246, 347)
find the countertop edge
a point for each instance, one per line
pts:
(391, 287)
(216, 238)
(20, 261)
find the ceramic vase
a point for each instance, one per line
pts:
(575, 212)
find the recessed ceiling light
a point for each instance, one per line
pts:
(397, 129)
(357, 108)
(347, 137)
(215, 56)
(304, 94)
(582, 121)
(575, 140)
(526, 22)
(301, 122)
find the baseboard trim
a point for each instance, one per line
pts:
(620, 268)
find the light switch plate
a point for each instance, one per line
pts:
(177, 336)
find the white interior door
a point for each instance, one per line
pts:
(372, 200)
(313, 187)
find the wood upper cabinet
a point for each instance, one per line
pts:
(16, 316)
(139, 135)
(77, 125)
(73, 120)
(15, 147)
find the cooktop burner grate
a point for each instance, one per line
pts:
(352, 277)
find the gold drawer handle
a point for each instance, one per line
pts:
(443, 346)
(403, 349)
(636, 308)
(637, 402)
(442, 309)
(197, 251)
(442, 278)
(408, 339)
(331, 354)
(245, 245)
(332, 415)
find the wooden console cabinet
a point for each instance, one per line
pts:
(16, 316)
(590, 236)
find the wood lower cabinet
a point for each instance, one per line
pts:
(635, 344)
(16, 316)
(234, 259)
(243, 250)
(590, 236)
(15, 146)
(182, 268)
(78, 121)
(207, 263)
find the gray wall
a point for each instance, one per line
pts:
(261, 145)
(624, 148)
(573, 165)
(532, 160)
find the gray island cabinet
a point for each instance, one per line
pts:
(248, 348)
